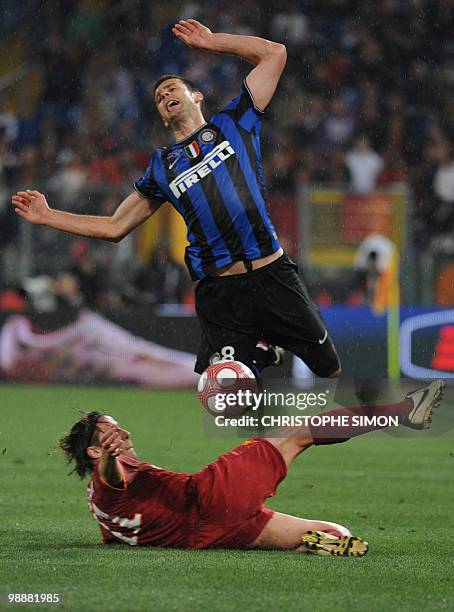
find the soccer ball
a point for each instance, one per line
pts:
(221, 388)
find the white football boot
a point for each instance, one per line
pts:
(425, 400)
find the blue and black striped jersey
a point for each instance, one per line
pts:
(214, 178)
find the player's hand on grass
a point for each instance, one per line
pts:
(110, 440)
(31, 205)
(193, 34)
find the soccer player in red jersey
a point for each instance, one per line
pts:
(222, 505)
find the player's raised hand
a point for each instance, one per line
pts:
(31, 205)
(110, 441)
(193, 33)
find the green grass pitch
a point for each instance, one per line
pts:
(395, 492)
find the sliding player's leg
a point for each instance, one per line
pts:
(284, 531)
(341, 424)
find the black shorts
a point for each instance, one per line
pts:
(270, 303)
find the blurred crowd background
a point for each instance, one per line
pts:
(366, 102)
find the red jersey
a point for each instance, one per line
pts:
(154, 508)
(219, 507)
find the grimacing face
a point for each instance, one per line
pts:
(173, 99)
(107, 422)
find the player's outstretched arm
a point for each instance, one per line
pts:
(108, 467)
(268, 57)
(133, 210)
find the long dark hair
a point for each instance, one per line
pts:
(75, 443)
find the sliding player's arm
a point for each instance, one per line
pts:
(109, 467)
(268, 57)
(133, 210)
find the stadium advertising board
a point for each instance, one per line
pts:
(158, 352)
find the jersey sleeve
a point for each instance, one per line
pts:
(244, 111)
(147, 186)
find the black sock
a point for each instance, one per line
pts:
(263, 355)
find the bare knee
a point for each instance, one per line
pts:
(302, 441)
(291, 446)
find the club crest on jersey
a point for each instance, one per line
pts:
(210, 162)
(207, 136)
(192, 150)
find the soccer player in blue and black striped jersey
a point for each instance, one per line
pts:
(249, 296)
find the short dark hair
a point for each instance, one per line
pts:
(75, 443)
(189, 84)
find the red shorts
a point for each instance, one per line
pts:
(231, 492)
